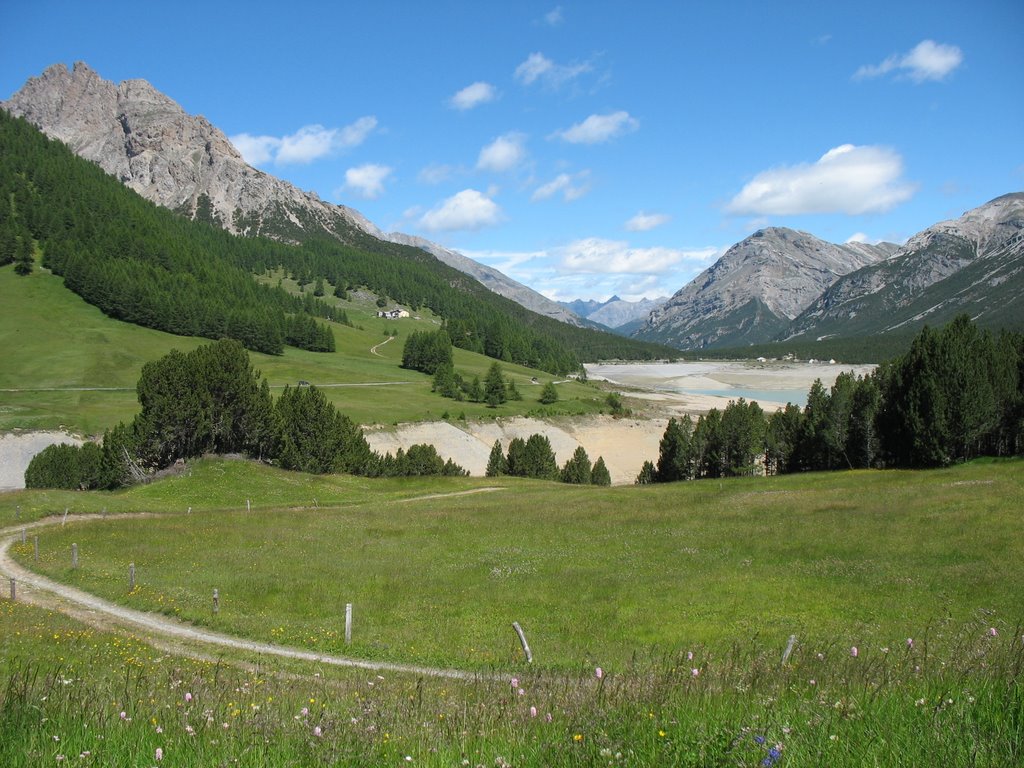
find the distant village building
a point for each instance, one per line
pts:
(392, 314)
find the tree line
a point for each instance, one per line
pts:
(957, 394)
(211, 400)
(535, 458)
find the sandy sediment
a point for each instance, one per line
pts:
(17, 450)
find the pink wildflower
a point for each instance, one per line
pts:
(533, 711)
(910, 642)
(317, 731)
(124, 715)
(689, 655)
(159, 754)
(304, 711)
(514, 682)
(993, 632)
(598, 673)
(521, 692)
(854, 652)
(188, 698)
(812, 682)
(548, 717)
(695, 672)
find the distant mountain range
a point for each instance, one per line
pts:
(780, 284)
(614, 313)
(183, 162)
(776, 285)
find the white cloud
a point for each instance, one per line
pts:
(435, 173)
(858, 237)
(927, 60)
(643, 222)
(367, 180)
(539, 67)
(564, 183)
(502, 154)
(469, 209)
(847, 179)
(256, 150)
(599, 128)
(309, 143)
(473, 95)
(554, 17)
(594, 254)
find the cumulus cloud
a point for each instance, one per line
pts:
(473, 96)
(927, 60)
(256, 150)
(469, 209)
(554, 17)
(539, 67)
(503, 154)
(309, 143)
(643, 222)
(847, 179)
(367, 180)
(594, 254)
(571, 187)
(597, 129)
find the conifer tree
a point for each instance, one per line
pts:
(600, 475)
(497, 465)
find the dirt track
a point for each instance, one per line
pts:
(161, 631)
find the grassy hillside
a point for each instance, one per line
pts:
(76, 367)
(594, 575)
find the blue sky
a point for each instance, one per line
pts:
(585, 148)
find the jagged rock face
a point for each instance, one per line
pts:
(145, 139)
(615, 312)
(753, 292)
(973, 264)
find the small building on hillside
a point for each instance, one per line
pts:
(392, 314)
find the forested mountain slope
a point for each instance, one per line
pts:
(147, 265)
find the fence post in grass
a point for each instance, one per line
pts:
(248, 506)
(62, 522)
(104, 513)
(789, 649)
(131, 577)
(22, 535)
(216, 601)
(348, 623)
(12, 589)
(35, 548)
(522, 640)
(74, 555)
(190, 510)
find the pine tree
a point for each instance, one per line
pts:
(495, 392)
(497, 465)
(675, 453)
(600, 475)
(548, 394)
(647, 474)
(577, 470)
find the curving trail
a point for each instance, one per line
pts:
(375, 347)
(162, 631)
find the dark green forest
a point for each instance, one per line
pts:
(957, 394)
(152, 267)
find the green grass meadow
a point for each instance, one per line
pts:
(647, 583)
(55, 345)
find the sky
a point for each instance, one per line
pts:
(586, 149)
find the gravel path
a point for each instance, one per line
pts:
(161, 630)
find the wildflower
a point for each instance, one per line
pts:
(59, 758)
(577, 737)
(159, 754)
(514, 682)
(885, 649)
(408, 758)
(124, 716)
(854, 652)
(993, 632)
(533, 711)
(548, 717)
(821, 656)
(188, 698)
(159, 729)
(811, 682)
(759, 739)
(190, 730)
(318, 731)
(598, 673)
(689, 655)
(521, 692)
(694, 672)
(910, 643)
(304, 711)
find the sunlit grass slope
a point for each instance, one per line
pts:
(77, 368)
(593, 575)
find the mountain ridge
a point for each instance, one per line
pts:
(183, 162)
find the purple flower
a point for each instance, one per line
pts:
(598, 673)
(854, 652)
(159, 754)
(993, 632)
(533, 711)
(759, 739)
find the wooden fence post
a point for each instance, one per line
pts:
(216, 601)
(522, 640)
(248, 506)
(789, 649)
(12, 590)
(131, 577)
(35, 548)
(62, 522)
(348, 623)
(74, 555)
(22, 535)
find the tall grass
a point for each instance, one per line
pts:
(71, 695)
